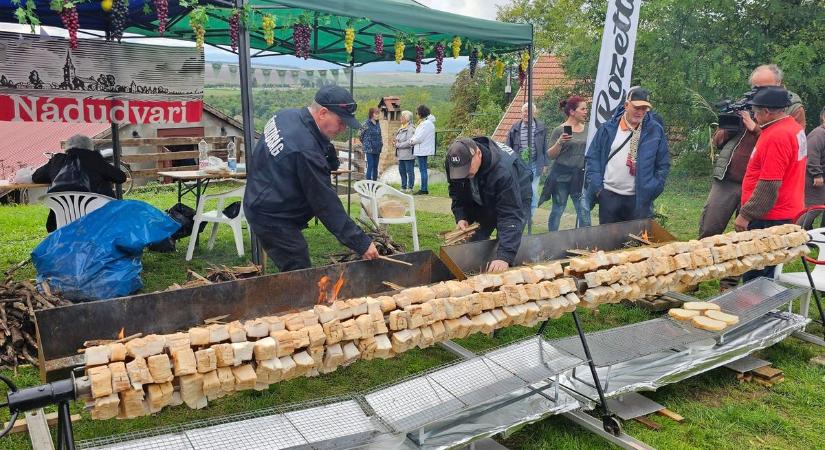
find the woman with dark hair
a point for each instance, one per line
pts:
(424, 143)
(567, 153)
(370, 135)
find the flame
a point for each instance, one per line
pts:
(323, 285)
(645, 236)
(337, 288)
(121, 335)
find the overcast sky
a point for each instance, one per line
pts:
(484, 9)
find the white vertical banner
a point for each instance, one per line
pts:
(615, 61)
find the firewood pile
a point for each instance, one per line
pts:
(458, 236)
(18, 302)
(384, 243)
(217, 274)
(204, 363)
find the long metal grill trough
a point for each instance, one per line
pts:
(447, 390)
(61, 331)
(628, 342)
(326, 425)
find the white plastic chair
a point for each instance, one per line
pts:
(216, 217)
(70, 206)
(801, 278)
(371, 192)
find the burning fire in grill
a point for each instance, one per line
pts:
(327, 295)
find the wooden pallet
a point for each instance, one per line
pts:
(764, 376)
(664, 412)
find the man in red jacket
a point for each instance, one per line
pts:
(773, 189)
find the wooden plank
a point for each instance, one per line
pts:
(166, 141)
(153, 173)
(41, 437)
(670, 415)
(648, 423)
(21, 425)
(164, 156)
(767, 372)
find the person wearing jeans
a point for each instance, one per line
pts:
(517, 140)
(404, 151)
(370, 135)
(567, 152)
(423, 141)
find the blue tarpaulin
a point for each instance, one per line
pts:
(98, 256)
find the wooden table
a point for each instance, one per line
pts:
(201, 179)
(6, 186)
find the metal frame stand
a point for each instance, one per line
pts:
(65, 432)
(815, 294)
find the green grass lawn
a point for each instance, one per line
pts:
(720, 413)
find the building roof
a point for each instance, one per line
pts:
(547, 74)
(23, 143)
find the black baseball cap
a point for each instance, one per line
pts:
(339, 101)
(459, 157)
(638, 96)
(771, 97)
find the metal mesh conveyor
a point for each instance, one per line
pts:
(331, 424)
(447, 390)
(621, 344)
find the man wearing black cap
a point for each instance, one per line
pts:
(290, 182)
(773, 190)
(491, 185)
(627, 162)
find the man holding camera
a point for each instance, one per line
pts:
(773, 188)
(735, 147)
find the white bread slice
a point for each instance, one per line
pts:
(729, 319)
(682, 314)
(706, 323)
(700, 306)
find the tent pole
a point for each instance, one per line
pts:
(349, 157)
(116, 157)
(530, 124)
(244, 63)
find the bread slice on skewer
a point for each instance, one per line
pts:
(706, 323)
(729, 319)
(682, 314)
(700, 306)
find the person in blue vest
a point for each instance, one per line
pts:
(627, 163)
(370, 135)
(290, 182)
(490, 184)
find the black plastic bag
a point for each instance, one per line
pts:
(71, 177)
(232, 210)
(185, 216)
(165, 246)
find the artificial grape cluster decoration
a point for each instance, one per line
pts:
(499, 68)
(379, 44)
(301, 33)
(419, 55)
(522, 75)
(162, 9)
(399, 50)
(268, 27)
(120, 14)
(106, 5)
(349, 39)
(68, 15)
(439, 56)
(525, 60)
(473, 61)
(235, 29)
(456, 46)
(197, 20)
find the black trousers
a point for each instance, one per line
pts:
(767, 271)
(615, 207)
(284, 244)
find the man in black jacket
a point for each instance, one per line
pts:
(99, 173)
(517, 140)
(290, 182)
(490, 184)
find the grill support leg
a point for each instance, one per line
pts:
(609, 421)
(65, 434)
(815, 293)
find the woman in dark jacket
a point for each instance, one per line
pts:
(371, 140)
(100, 173)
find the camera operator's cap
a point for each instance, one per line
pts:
(771, 97)
(459, 157)
(638, 96)
(339, 101)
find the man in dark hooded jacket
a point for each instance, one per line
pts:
(627, 163)
(490, 184)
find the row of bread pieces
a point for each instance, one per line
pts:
(704, 315)
(139, 377)
(675, 266)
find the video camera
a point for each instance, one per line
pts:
(729, 117)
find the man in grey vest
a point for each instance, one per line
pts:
(734, 153)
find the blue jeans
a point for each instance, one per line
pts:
(406, 168)
(422, 169)
(534, 203)
(560, 196)
(372, 166)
